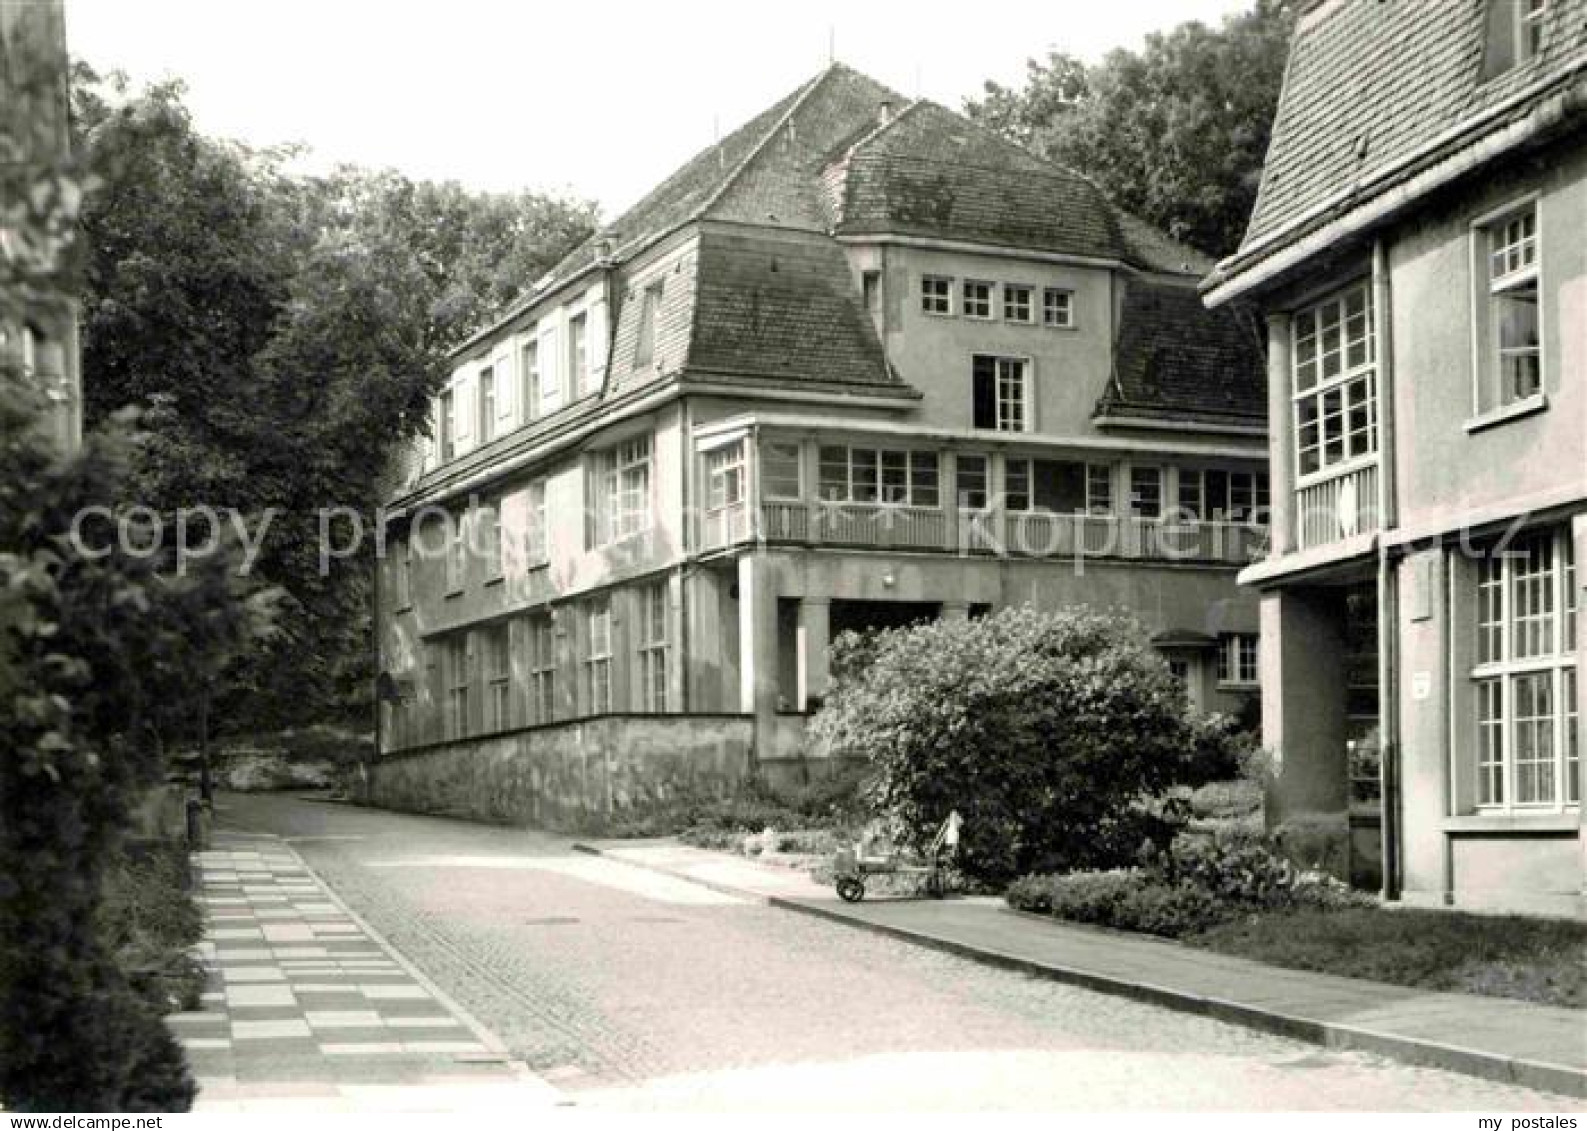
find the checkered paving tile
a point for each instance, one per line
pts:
(301, 999)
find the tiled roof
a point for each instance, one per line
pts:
(1370, 84)
(782, 308)
(1175, 359)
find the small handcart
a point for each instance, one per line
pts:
(852, 865)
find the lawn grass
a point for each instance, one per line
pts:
(1532, 959)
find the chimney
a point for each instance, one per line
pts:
(884, 113)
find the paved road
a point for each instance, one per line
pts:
(632, 990)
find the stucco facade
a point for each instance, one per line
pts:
(765, 433)
(1448, 527)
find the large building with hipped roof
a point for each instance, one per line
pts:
(859, 363)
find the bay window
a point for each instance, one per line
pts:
(878, 475)
(1057, 486)
(1334, 363)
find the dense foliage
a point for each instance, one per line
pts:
(283, 334)
(1047, 731)
(1175, 132)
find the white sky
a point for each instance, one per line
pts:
(602, 98)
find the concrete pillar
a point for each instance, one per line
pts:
(1304, 678)
(1578, 534)
(1280, 424)
(815, 638)
(757, 634)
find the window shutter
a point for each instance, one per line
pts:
(984, 392)
(463, 411)
(597, 344)
(550, 371)
(506, 384)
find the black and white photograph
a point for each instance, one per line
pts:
(872, 561)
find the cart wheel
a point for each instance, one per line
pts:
(850, 890)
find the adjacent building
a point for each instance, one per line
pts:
(857, 364)
(1419, 248)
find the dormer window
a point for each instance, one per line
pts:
(1515, 34)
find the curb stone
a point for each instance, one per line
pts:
(1422, 1052)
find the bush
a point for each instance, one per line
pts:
(1238, 868)
(1219, 749)
(1316, 843)
(1044, 730)
(151, 923)
(1125, 898)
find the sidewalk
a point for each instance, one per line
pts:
(307, 1010)
(1501, 1039)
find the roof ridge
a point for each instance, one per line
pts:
(882, 127)
(760, 146)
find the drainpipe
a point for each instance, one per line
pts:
(690, 463)
(1388, 590)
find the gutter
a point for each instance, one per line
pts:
(1113, 420)
(1403, 187)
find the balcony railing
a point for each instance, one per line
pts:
(1037, 534)
(1339, 506)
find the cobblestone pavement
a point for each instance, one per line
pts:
(632, 990)
(304, 1008)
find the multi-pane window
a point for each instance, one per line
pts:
(487, 405)
(1018, 305)
(597, 656)
(645, 341)
(653, 646)
(779, 470)
(1529, 16)
(936, 294)
(579, 353)
(1512, 349)
(537, 542)
(1146, 492)
(1000, 393)
(871, 475)
(498, 679)
(1238, 657)
(487, 532)
(724, 477)
(448, 425)
(1058, 486)
(457, 658)
(977, 299)
(973, 482)
(550, 376)
(1524, 679)
(541, 640)
(622, 491)
(1058, 308)
(1223, 496)
(531, 380)
(1335, 381)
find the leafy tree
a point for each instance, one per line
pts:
(1046, 731)
(1175, 133)
(284, 334)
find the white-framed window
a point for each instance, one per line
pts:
(1057, 486)
(1213, 494)
(724, 477)
(653, 646)
(1239, 659)
(458, 657)
(448, 425)
(621, 482)
(977, 299)
(936, 294)
(498, 678)
(1508, 326)
(541, 642)
(598, 656)
(896, 477)
(550, 372)
(530, 355)
(1529, 15)
(645, 333)
(1524, 678)
(1058, 308)
(974, 481)
(537, 540)
(1335, 381)
(1000, 393)
(1146, 491)
(486, 428)
(1018, 303)
(780, 473)
(579, 353)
